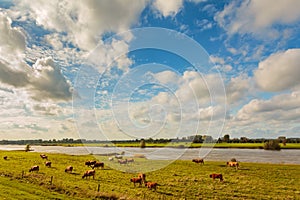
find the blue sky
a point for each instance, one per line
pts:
(127, 69)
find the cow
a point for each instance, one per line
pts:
(198, 160)
(89, 173)
(90, 163)
(122, 162)
(48, 164)
(118, 156)
(111, 158)
(43, 156)
(5, 157)
(214, 176)
(130, 160)
(151, 185)
(233, 164)
(98, 164)
(69, 169)
(136, 180)
(143, 177)
(34, 168)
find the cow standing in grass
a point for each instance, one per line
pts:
(43, 156)
(69, 169)
(48, 164)
(218, 176)
(198, 160)
(89, 173)
(151, 185)
(136, 180)
(34, 168)
(98, 164)
(143, 177)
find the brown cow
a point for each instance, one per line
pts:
(43, 156)
(214, 176)
(151, 185)
(233, 164)
(198, 160)
(34, 168)
(136, 180)
(90, 163)
(143, 177)
(98, 164)
(89, 173)
(69, 169)
(48, 164)
(5, 157)
(130, 160)
(122, 162)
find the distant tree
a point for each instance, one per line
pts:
(272, 145)
(226, 138)
(142, 143)
(27, 148)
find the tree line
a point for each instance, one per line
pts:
(192, 139)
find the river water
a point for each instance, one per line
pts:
(212, 154)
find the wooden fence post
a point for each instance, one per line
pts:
(51, 179)
(98, 189)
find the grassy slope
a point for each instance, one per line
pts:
(181, 179)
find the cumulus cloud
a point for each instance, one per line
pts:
(168, 8)
(83, 21)
(258, 17)
(280, 71)
(283, 107)
(12, 41)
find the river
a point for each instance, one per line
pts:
(214, 154)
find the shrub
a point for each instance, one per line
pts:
(272, 145)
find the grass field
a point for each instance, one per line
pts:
(178, 180)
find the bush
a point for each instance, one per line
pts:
(272, 145)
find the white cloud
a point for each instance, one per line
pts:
(168, 8)
(283, 107)
(258, 17)
(12, 41)
(84, 21)
(280, 71)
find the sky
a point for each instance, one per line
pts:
(127, 69)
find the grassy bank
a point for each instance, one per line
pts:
(189, 145)
(178, 180)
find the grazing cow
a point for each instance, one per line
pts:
(122, 162)
(98, 164)
(5, 157)
(48, 164)
(69, 169)
(130, 160)
(43, 156)
(214, 176)
(90, 163)
(118, 156)
(111, 159)
(233, 164)
(136, 180)
(34, 168)
(151, 185)
(197, 160)
(143, 177)
(89, 173)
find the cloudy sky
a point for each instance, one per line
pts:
(127, 69)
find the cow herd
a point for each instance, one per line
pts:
(232, 163)
(140, 179)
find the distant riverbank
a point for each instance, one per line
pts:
(181, 145)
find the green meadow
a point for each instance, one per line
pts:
(177, 180)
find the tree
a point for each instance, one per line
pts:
(226, 138)
(27, 147)
(272, 145)
(143, 143)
